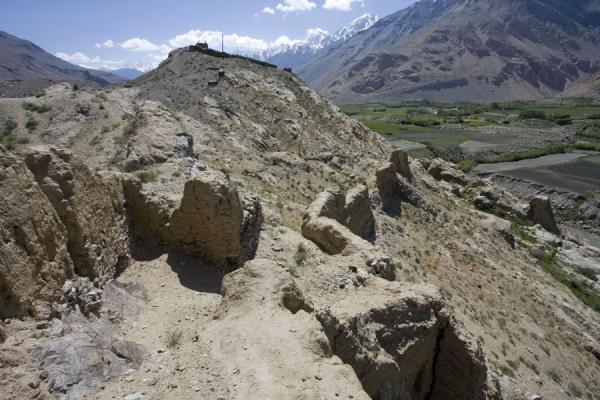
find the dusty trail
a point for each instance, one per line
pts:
(182, 295)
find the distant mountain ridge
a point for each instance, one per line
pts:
(127, 73)
(23, 60)
(480, 50)
(299, 52)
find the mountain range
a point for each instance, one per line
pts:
(297, 53)
(23, 60)
(448, 50)
(479, 50)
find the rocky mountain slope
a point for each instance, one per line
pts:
(478, 50)
(588, 88)
(219, 230)
(23, 60)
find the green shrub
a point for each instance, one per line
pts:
(532, 114)
(8, 141)
(555, 376)
(506, 370)
(520, 231)
(8, 127)
(31, 124)
(301, 254)
(82, 109)
(525, 155)
(466, 165)
(147, 176)
(35, 108)
(129, 129)
(174, 338)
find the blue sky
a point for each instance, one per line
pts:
(111, 33)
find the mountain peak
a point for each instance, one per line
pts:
(360, 24)
(286, 52)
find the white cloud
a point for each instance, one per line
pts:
(143, 45)
(82, 60)
(233, 42)
(109, 44)
(285, 41)
(343, 5)
(268, 10)
(75, 58)
(295, 5)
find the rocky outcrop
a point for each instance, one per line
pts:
(540, 211)
(445, 171)
(208, 220)
(34, 259)
(400, 160)
(336, 222)
(90, 206)
(485, 195)
(394, 187)
(403, 344)
(277, 339)
(153, 136)
(357, 214)
(80, 356)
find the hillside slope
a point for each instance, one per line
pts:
(479, 50)
(24, 60)
(219, 230)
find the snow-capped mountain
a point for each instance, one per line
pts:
(358, 25)
(296, 53)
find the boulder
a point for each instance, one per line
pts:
(444, 171)
(540, 211)
(91, 207)
(336, 222)
(208, 220)
(403, 343)
(34, 258)
(400, 160)
(382, 266)
(330, 235)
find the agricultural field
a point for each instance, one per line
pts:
(472, 133)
